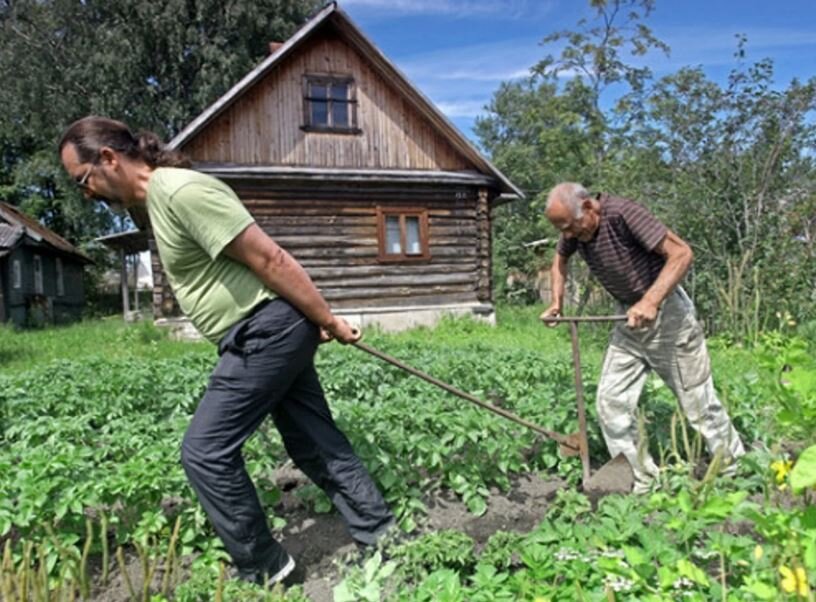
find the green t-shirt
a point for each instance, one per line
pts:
(194, 216)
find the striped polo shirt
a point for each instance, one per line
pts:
(621, 255)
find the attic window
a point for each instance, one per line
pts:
(402, 234)
(329, 104)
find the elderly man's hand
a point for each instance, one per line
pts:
(641, 314)
(553, 311)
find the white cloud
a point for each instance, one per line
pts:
(493, 62)
(715, 47)
(461, 81)
(462, 108)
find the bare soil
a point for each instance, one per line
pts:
(321, 545)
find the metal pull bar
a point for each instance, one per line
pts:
(561, 439)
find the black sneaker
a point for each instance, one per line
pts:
(267, 577)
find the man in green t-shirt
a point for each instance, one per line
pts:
(252, 299)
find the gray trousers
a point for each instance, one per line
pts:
(674, 347)
(266, 368)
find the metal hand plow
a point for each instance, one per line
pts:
(615, 475)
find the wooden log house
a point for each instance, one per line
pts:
(355, 172)
(42, 275)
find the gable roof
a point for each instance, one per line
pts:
(9, 235)
(340, 21)
(24, 224)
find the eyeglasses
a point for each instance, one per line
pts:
(83, 181)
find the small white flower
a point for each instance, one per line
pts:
(618, 583)
(567, 554)
(683, 583)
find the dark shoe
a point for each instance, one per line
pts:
(268, 577)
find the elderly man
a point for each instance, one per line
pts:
(251, 298)
(640, 263)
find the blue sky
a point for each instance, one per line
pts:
(458, 51)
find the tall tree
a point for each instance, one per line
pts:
(153, 64)
(739, 181)
(554, 125)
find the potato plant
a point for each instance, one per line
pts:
(90, 474)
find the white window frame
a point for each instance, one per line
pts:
(16, 274)
(38, 275)
(60, 278)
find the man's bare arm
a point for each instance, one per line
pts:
(678, 256)
(283, 274)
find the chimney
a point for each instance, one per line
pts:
(273, 47)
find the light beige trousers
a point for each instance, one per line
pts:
(674, 347)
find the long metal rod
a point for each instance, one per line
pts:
(563, 440)
(559, 319)
(579, 381)
(579, 398)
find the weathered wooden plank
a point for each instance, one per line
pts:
(263, 125)
(334, 262)
(380, 269)
(371, 251)
(415, 281)
(280, 228)
(446, 226)
(355, 203)
(340, 221)
(332, 294)
(338, 194)
(327, 210)
(444, 299)
(355, 200)
(341, 242)
(485, 292)
(326, 241)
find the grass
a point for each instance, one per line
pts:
(517, 328)
(109, 338)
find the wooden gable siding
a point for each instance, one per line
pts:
(263, 126)
(333, 234)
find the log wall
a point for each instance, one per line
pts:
(334, 236)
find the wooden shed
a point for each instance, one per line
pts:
(357, 174)
(41, 273)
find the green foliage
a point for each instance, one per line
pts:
(155, 65)
(429, 553)
(365, 584)
(728, 167)
(804, 472)
(96, 437)
(790, 376)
